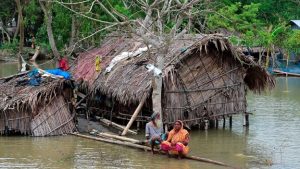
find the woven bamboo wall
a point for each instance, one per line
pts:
(53, 119)
(205, 86)
(16, 121)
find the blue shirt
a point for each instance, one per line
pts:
(152, 131)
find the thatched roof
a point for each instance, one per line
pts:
(19, 97)
(129, 79)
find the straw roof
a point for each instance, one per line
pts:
(19, 97)
(129, 79)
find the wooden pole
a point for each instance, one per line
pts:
(224, 122)
(136, 112)
(216, 123)
(138, 126)
(246, 120)
(205, 124)
(115, 125)
(230, 121)
(149, 149)
(122, 138)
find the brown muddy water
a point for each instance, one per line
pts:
(271, 142)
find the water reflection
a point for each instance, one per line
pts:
(10, 68)
(7, 69)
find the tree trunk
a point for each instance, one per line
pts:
(157, 84)
(18, 26)
(4, 32)
(73, 29)
(48, 19)
(21, 25)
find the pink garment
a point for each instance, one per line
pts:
(167, 147)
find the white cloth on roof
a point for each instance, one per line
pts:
(124, 55)
(156, 71)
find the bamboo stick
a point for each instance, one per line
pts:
(149, 149)
(285, 73)
(136, 112)
(119, 137)
(116, 126)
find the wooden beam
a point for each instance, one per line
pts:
(134, 115)
(116, 126)
(122, 138)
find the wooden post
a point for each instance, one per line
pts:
(134, 115)
(216, 123)
(211, 123)
(246, 120)
(166, 128)
(230, 121)
(138, 126)
(205, 124)
(224, 122)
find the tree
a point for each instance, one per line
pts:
(20, 26)
(162, 23)
(47, 9)
(7, 11)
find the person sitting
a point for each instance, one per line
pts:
(154, 131)
(177, 142)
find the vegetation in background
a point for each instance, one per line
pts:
(249, 23)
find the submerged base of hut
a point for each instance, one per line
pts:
(39, 109)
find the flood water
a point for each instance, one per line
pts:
(271, 142)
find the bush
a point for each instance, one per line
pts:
(14, 45)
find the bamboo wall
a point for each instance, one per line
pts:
(16, 121)
(205, 86)
(53, 119)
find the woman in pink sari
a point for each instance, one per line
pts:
(177, 142)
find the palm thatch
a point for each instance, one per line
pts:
(21, 104)
(204, 76)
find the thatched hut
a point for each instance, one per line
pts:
(40, 110)
(204, 78)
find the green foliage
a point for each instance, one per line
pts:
(7, 8)
(32, 13)
(14, 45)
(292, 41)
(253, 22)
(61, 25)
(41, 35)
(235, 40)
(235, 17)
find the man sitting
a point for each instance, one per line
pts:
(154, 131)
